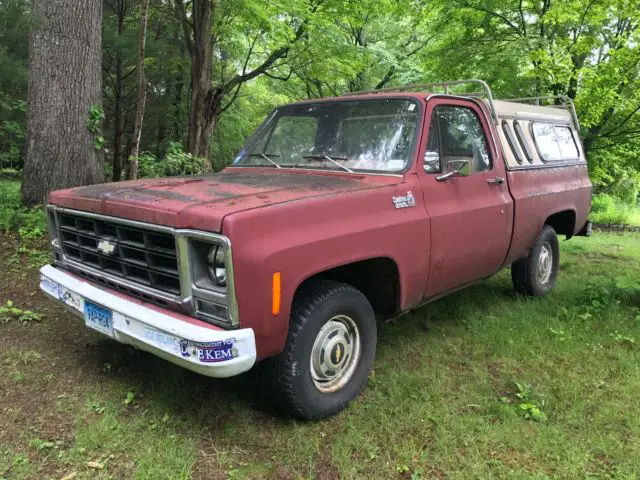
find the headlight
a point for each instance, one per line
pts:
(217, 271)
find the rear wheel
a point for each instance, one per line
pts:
(329, 352)
(536, 275)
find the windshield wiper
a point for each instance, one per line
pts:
(332, 160)
(266, 157)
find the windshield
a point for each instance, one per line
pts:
(363, 135)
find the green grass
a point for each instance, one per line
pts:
(452, 394)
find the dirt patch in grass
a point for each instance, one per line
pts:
(39, 397)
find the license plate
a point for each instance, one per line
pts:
(98, 318)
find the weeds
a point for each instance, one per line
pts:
(525, 401)
(31, 257)
(623, 339)
(9, 312)
(128, 400)
(15, 357)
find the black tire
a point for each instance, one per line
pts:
(290, 372)
(528, 275)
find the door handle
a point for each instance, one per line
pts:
(496, 181)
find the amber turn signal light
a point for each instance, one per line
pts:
(276, 294)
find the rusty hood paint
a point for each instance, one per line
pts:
(203, 202)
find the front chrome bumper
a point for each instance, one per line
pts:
(182, 340)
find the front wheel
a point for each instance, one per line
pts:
(329, 352)
(536, 275)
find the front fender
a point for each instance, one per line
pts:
(303, 239)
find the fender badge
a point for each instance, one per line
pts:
(404, 202)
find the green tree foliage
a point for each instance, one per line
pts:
(588, 50)
(268, 53)
(14, 32)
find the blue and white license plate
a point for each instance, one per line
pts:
(98, 318)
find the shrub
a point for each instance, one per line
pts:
(606, 208)
(602, 203)
(178, 162)
(175, 163)
(148, 166)
(626, 189)
(10, 174)
(29, 222)
(613, 171)
(12, 131)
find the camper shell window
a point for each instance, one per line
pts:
(555, 143)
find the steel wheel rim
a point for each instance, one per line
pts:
(545, 263)
(335, 354)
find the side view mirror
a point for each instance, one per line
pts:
(456, 168)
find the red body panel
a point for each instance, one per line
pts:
(202, 202)
(305, 238)
(301, 223)
(471, 219)
(541, 192)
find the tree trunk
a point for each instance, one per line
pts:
(118, 110)
(65, 81)
(200, 124)
(142, 92)
(177, 112)
(161, 135)
(118, 122)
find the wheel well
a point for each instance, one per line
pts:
(563, 222)
(377, 278)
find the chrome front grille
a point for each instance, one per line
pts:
(139, 255)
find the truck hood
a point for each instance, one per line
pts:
(203, 202)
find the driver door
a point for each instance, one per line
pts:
(471, 212)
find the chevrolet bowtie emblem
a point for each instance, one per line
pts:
(106, 247)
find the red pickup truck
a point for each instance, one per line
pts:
(337, 212)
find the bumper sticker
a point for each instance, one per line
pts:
(209, 352)
(404, 201)
(71, 298)
(162, 339)
(49, 286)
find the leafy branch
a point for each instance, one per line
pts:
(94, 125)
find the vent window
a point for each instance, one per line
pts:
(522, 140)
(511, 140)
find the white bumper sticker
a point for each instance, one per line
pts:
(49, 286)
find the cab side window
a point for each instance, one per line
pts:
(457, 135)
